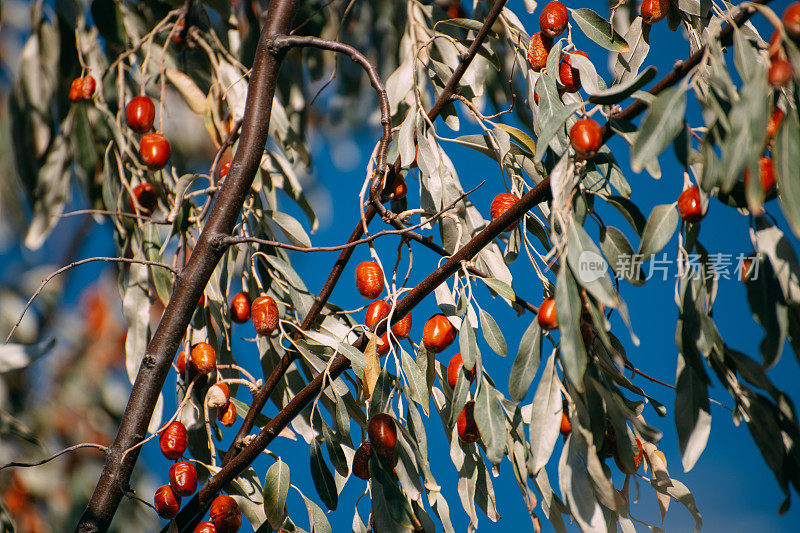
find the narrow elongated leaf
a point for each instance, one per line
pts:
(276, 488)
(491, 422)
(291, 228)
(492, 334)
(545, 418)
(617, 93)
(323, 479)
(599, 30)
(785, 158)
(568, 309)
(661, 125)
(468, 344)
(692, 413)
(589, 265)
(316, 516)
(660, 227)
(526, 363)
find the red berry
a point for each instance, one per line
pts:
(586, 136)
(225, 514)
(438, 333)
(201, 301)
(637, 459)
(553, 20)
(240, 308)
(206, 527)
(361, 461)
(146, 196)
(369, 279)
(264, 314)
(402, 327)
(780, 73)
(154, 149)
(76, 90)
(455, 11)
(791, 20)
(204, 357)
(500, 205)
(467, 427)
(454, 369)
(167, 504)
(227, 416)
(774, 123)
(183, 478)
(225, 169)
(654, 10)
(566, 425)
(173, 440)
(538, 49)
(690, 208)
(376, 311)
(88, 86)
(140, 114)
(382, 434)
(547, 317)
(379, 309)
(766, 173)
(570, 77)
(180, 362)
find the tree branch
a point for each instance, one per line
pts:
(79, 263)
(261, 398)
(222, 218)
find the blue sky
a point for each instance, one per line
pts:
(733, 487)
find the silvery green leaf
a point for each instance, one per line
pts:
(785, 158)
(659, 230)
(662, 124)
(568, 309)
(526, 363)
(492, 334)
(276, 488)
(599, 30)
(545, 420)
(692, 413)
(491, 422)
(617, 93)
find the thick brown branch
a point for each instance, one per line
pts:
(222, 218)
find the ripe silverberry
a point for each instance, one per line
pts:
(438, 333)
(586, 136)
(690, 208)
(468, 430)
(553, 19)
(173, 440)
(382, 433)
(140, 113)
(369, 279)
(547, 317)
(264, 314)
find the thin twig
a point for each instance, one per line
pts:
(15, 464)
(79, 263)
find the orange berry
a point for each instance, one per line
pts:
(438, 333)
(402, 327)
(654, 11)
(586, 136)
(382, 433)
(791, 20)
(376, 310)
(88, 86)
(180, 362)
(76, 90)
(570, 77)
(264, 314)
(225, 169)
(369, 279)
(361, 461)
(173, 440)
(553, 20)
(227, 415)
(206, 527)
(774, 123)
(547, 317)
(766, 174)
(690, 208)
(398, 188)
(146, 195)
(501, 203)
(183, 478)
(225, 514)
(204, 357)
(166, 502)
(155, 151)
(538, 49)
(468, 430)
(454, 369)
(240, 308)
(780, 73)
(140, 114)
